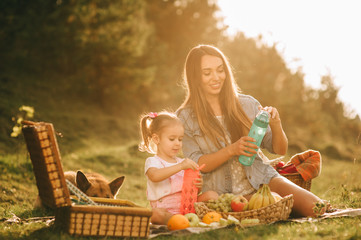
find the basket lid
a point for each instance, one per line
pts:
(45, 157)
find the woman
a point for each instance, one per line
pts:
(217, 119)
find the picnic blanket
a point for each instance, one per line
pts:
(157, 230)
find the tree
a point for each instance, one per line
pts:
(112, 36)
(96, 42)
(178, 26)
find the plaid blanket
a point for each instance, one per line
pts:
(308, 164)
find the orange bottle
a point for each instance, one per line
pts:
(189, 190)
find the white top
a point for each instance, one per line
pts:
(240, 183)
(157, 190)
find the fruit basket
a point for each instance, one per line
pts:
(272, 213)
(108, 217)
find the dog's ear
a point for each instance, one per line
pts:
(116, 184)
(82, 181)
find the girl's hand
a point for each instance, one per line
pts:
(198, 182)
(187, 163)
(244, 144)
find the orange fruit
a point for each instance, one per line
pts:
(177, 221)
(211, 217)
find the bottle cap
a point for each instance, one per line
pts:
(263, 118)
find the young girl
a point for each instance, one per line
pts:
(162, 134)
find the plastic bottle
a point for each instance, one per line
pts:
(189, 190)
(257, 131)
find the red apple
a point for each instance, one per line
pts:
(238, 203)
(280, 164)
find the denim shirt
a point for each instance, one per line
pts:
(196, 144)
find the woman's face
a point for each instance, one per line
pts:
(213, 75)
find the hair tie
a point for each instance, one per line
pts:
(153, 115)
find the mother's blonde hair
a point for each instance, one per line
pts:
(236, 121)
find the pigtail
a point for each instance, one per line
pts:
(146, 134)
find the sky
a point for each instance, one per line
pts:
(320, 36)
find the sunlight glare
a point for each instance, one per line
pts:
(319, 37)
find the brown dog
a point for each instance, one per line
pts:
(94, 184)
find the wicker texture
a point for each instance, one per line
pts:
(113, 217)
(297, 179)
(45, 158)
(105, 221)
(272, 213)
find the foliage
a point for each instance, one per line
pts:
(25, 113)
(112, 37)
(117, 59)
(178, 26)
(94, 45)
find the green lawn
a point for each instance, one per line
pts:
(339, 182)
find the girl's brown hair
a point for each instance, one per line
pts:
(236, 120)
(153, 123)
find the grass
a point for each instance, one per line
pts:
(338, 182)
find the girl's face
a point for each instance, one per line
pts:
(169, 142)
(213, 75)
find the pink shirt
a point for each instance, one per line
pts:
(157, 190)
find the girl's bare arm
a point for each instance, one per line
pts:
(160, 174)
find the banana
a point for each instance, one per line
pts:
(265, 201)
(259, 200)
(272, 199)
(253, 199)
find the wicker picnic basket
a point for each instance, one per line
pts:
(110, 217)
(297, 179)
(272, 213)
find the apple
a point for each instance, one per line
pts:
(238, 203)
(280, 164)
(193, 219)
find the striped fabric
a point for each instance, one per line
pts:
(308, 164)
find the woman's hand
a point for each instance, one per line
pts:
(279, 138)
(274, 115)
(188, 163)
(198, 182)
(244, 144)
